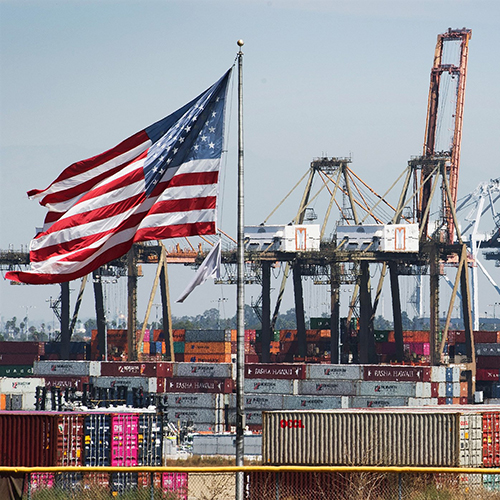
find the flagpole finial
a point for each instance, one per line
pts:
(240, 43)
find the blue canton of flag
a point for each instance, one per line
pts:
(197, 135)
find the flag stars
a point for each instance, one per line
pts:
(211, 145)
(211, 129)
(204, 138)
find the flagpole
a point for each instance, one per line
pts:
(240, 307)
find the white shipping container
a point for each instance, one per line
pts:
(438, 374)
(404, 389)
(67, 368)
(423, 390)
(416, 402)
(338, 372)
(269, 386)
(377, 401)
(20, 385)
(327, 387)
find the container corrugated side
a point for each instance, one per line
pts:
(27, 439)
(361, 438)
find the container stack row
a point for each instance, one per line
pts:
(448, 436)
(83, 439)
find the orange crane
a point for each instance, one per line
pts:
(450, 60)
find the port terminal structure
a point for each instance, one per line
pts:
(429, 185)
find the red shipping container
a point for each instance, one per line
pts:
(117, 369)
(277, 371)
(18, 359)
(28, 439)
(434, 389)
(208, 385)
(70, 440)
(393, 373)
(164, 369)
(252, 358)
(66, 382)
(36, 348)
(441, 401)
(486, 337)
(488, 362)
(207, 358)
(485, 374)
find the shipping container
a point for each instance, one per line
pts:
(67, 368)
(190, 385)
(377, 401)
(190, 400)
(16, 370)
(207, 348)
(275, 371)
(97, 439)
(66, 382)
(395, 373)
(314, 402)
(70, 439)
(28, 439)
(328, 372)
(119, 369)
(207, 336)
(18, 359)
(203, 370)
(328, 387)
(400, 437)
(36, 348)
(269, 386)
(150, 439)
(403, 389)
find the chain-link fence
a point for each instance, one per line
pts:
(260, 483)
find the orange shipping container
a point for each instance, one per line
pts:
(288, 335)
(207, 348)
(179, 335)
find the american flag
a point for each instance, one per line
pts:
(162, 182)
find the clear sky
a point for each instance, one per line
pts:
(326, 77)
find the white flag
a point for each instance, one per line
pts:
(210, 268)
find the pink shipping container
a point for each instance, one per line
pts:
(176, 482)
(41, 480)
(124, 439)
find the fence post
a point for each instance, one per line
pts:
(277, 489)
(29, 485)
(152, 490)
(400, 486)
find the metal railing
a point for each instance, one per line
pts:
(260, 483)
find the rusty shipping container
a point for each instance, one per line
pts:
(395, 436)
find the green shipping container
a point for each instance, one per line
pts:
(16, 370)
(320, 323)
(381, 335)
(275, 337)
(179, 347)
